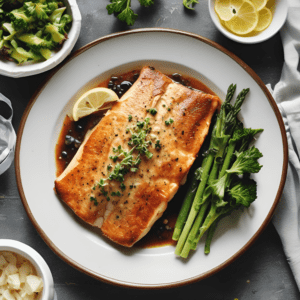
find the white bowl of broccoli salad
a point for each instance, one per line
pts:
(36, 35)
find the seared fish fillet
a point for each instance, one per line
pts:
(125, 211)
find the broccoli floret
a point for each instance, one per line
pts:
(246, 162)
(36, 10)
(13, 52)
(55, 32)
(46, 53)
(52, 6)
(243, 192)
(18, 57)
(10, 29)
(34, 42)
(19, 19)
(56, 15)
(64, 23)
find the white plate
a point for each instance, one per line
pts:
(82, 246)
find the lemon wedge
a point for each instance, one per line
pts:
(245, 18)
(259, 4)
(93, 100)
(264, 19)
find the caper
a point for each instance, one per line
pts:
(77, 143)
(64, 154)
(69, 140)
(126, 85)
(176, 77)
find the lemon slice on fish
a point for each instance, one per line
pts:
(93, 100)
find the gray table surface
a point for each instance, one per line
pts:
(262, 272)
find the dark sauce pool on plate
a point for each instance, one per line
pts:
(72, 135)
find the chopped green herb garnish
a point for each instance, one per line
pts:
(138, 137)
(140, 124)
(114, 158)
(129, 118)
(116, 194)
(122, 186)
(169, 122)
(137, 161)
(157, 145)
(93, 199)
(152, 111)
(104, 193)
(117, 149)
(102, 182)
(128, 163)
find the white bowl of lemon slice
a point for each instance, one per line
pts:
(248, 21)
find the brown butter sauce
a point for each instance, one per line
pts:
(162, 231)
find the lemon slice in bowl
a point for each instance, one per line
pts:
(245, 18)
(264, 19)
(226, 9)
(259, 4)
(93, 100)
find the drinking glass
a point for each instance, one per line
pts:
(7, 135)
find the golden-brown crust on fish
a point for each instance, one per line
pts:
(127, 218)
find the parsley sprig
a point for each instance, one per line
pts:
(190, 3)
(123, 10)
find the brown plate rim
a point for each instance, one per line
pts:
(130, 284)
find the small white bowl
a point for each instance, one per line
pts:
(12, 69)
(280, 11)
(37, 261)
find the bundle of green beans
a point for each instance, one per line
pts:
(222, 183)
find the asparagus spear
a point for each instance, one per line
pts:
(185, 208)
(245, 162)
(226, 126)
(217, 143)
(209, 237)
(190, 195)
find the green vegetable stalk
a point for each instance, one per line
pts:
(225, 184)
(217, 144)
(186, 206)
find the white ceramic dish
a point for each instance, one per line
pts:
(279, 9)
(82, 246)
(11, 69)
(37, 261)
